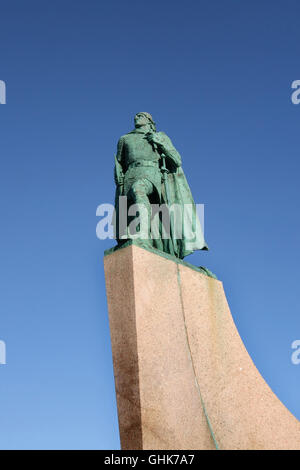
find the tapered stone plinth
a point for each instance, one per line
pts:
(183, 377)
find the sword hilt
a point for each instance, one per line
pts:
(163, 168)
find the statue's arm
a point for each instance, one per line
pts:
(120, 150)
(118, 172)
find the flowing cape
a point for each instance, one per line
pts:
(190, 232)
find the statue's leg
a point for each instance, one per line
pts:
(139, 194)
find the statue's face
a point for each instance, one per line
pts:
(140, 120)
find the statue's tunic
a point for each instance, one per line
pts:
(139, 159)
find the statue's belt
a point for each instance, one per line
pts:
(143, 163)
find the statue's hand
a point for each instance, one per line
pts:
(155, 138)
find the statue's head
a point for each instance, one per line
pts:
(144, 119)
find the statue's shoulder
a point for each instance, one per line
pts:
(122, 138)
(163, 135)
(127, 137)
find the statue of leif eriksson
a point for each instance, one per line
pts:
(161, 210)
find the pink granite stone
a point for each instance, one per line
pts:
(183, 377)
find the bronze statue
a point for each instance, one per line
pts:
(148, 172)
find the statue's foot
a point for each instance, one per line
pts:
(146, 243)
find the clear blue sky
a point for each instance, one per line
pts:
(216, 76)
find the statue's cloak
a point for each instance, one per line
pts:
(190, 232)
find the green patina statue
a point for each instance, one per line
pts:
(148, 172)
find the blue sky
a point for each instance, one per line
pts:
(216, 76)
